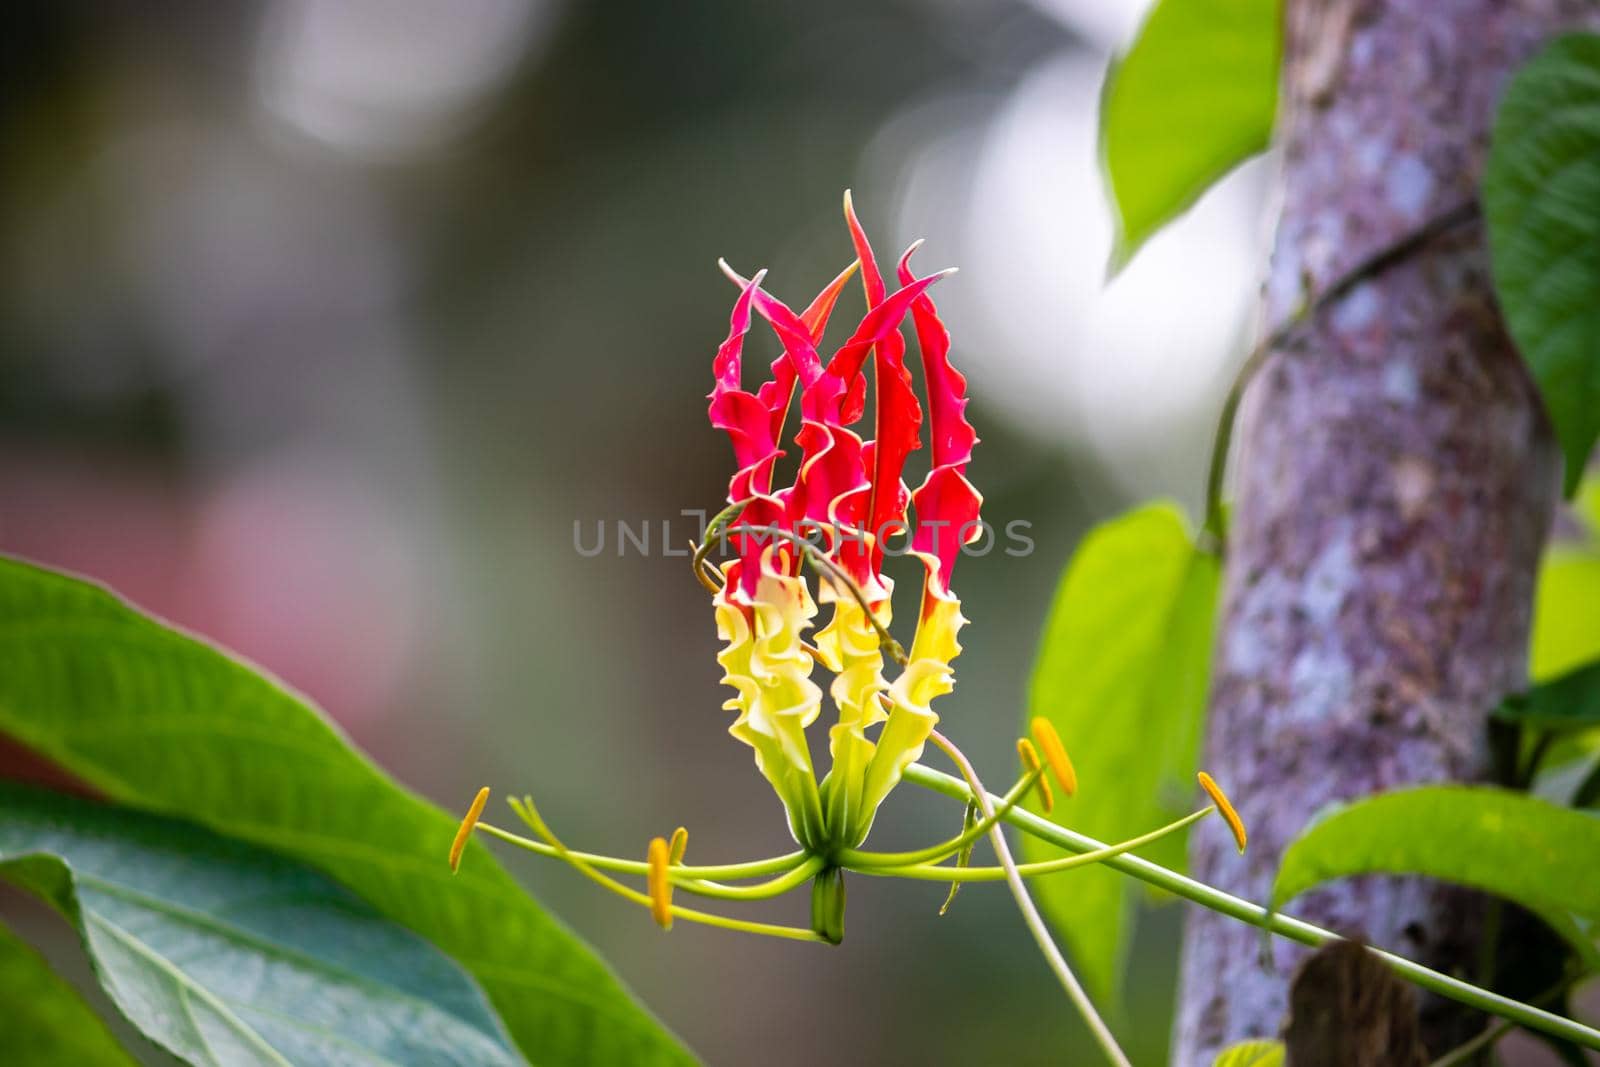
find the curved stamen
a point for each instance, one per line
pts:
(530, 815)
(856, 859)
(933, 873)
(753, 869)
(760, 891)
(678, 846)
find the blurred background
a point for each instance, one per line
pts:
(324, 322)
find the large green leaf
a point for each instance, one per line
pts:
(1527, 850)
(1570, 702)
(1541, 197)
(44, 1023)
(231, 956)
(1251, 1054)
(1194, 96)
(1122, 673)
(158, 720)
(1566, 603)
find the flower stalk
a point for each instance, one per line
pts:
(1030, 914)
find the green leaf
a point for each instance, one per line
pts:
(1122, 674)
(1570, 702)
(1587, 794)
(1530, 851)
(225, 954)
(1566, 612)
(157, 720)
(1566, 602)
(1251, 1054)
(1541, 198)
(1194, 96)
(45, 1023)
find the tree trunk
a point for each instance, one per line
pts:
(1394, 481)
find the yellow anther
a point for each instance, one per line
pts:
(678, 846)
(1055, 754)
(1030, 760)
(1220, 799)
(465, 830)
(660, 886)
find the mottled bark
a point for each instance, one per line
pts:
(1346, 1007)
(1393, 485)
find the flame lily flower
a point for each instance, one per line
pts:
(832, 521)
(848, 496)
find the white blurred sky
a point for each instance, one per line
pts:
(387, 79)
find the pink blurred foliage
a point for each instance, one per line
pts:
(288, 564)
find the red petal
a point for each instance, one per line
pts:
(843, 484)
(738, 412)
(899, 415)
(816, 316)
(946, 503)
(952, 435)
(872, 285)
(871, 277)
(881, 321)
(776, 394)
(947, 509)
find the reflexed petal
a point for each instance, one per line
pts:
(946, 504)
(951, 434)
(899, 415)
(741, 414)
(777, 393)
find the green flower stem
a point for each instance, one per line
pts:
(531, 815)
(931, 873)
(1468, 1052)
(1030, 914)
(680, 874)
(857, 860)
(1275, 922)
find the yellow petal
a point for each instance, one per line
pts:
(766, 663)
